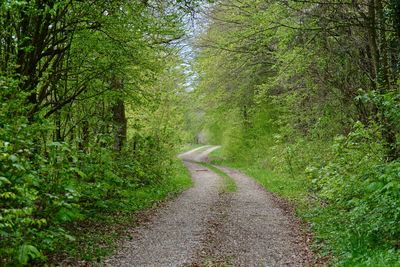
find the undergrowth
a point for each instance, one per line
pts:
(98, 235)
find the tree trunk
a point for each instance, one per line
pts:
(119, 118)
(372, 42)
(120, 124)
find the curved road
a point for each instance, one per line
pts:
(204, 227)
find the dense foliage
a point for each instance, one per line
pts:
(89, 115)
(309, 91)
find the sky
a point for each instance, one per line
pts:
(195, 25)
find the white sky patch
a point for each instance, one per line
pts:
(194, 26)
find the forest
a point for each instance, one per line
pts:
(90, 121)
(98, 98)
(304, 96)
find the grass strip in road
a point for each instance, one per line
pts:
(293, 189)
(229, 183)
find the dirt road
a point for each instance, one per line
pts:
(205, 227)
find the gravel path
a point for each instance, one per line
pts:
(204, 227)
(175, 232)
(249, 228)
(191, 153)
(199, 154)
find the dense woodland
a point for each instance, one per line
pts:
(89, 118)
(95, 105)
(306, 94)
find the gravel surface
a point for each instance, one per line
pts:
(249, 228)
(199, 154)
(191, 153)
(175, 232)
(204, 227)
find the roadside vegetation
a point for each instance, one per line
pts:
(91, 111)
(293, 189)
(304, 97)
(99, 235)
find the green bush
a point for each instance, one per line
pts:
(361, 192)
(46, 185)
(36, 197)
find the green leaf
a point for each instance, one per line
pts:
(374, 186)
(26, 252)
(4, 180)
(13, 158)
(70, 237)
